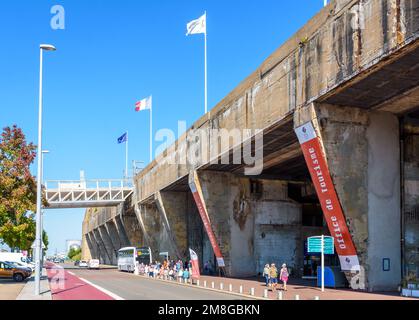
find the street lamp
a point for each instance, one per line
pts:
(42, 212)
(38, 239)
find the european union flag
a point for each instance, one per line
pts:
(123, 139)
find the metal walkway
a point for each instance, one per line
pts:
(87, 193)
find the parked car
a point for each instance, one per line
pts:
(12, 271)
(83, 264)
(94, 264)
(76, 263)
(21, 265)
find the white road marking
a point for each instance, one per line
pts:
(71, 273)
(111, 294)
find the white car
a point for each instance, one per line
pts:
(94, 264)
(83, 264)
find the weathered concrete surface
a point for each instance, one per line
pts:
(172, 207)
(342, 45)
(111, 251)
(363, 154)
(101, 248)
(411, 196)
(358, 62)
(253, 227)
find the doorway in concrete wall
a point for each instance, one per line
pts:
(409, 125)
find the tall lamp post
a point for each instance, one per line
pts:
(38, 239)
(44, 152)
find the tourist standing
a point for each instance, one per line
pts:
(284, 275)
(266, 274)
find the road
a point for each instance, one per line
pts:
(130, 287)
(9, 290)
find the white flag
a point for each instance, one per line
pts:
(197, 26)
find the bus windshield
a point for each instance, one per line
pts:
(144, 255)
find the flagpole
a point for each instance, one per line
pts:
(206, 71)
(126, 157)
(151, 131)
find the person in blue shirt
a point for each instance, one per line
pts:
(186, 274)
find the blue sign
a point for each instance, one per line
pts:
(315, 245)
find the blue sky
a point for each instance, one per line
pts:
(113, 53)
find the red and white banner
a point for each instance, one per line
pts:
(195, 265)
(197, 194)
(328, 198)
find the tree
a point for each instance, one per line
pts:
(74, 253)
(17, 189)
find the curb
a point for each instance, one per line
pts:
(27, 292)
(207, 289)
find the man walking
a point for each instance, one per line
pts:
(273, 274)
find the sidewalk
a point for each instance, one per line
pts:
(9, 289)
(27, 292)
(305, 290)
(297, 290)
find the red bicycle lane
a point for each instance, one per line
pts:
(66, 286)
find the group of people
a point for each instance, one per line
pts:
(271, 274)
(168, 270)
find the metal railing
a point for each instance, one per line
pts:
(87, 193)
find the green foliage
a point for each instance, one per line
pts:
(73, 253)
(17, 190)
(77, 257)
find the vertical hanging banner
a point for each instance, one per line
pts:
(332, 210)
(195, 265)
(195, 187)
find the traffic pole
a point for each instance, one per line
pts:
(322, 263)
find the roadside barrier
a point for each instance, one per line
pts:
(241, 289)
(221, 286)
(205, 284)
(265, 293)
(252, 291)
(280, 295)
(230, 288)
(213, 285)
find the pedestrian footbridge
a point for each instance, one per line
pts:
(87, 193)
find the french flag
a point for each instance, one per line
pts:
(145, 104)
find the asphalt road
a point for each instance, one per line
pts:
(131, 287)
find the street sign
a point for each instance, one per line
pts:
(33, 246)
(323, 245)
(315, 245)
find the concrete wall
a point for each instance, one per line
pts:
(411, 197)
(252, 229)
(363, 153)
(277, 234)
(384, 213)
(173, 207)
(334, 47)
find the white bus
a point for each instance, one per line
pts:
(129, 257)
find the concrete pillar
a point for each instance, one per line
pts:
(107, 241)
(92, 248)
(172, 208)
(132, 228)
(363, 155)
(103, 254)
(117, 241)
(120, 229)
(411, 196)
(152, 226)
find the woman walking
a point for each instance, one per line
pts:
(284, 275)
